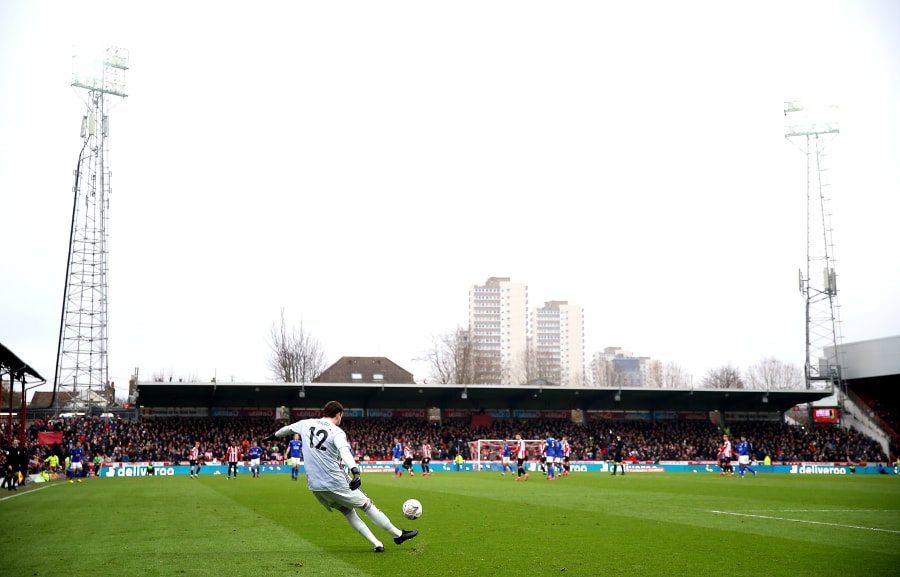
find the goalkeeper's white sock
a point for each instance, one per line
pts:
(363, 529)
(381, 520)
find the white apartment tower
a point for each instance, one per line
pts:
(557, 343)
(498, 322)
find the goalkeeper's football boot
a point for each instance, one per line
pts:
(406, 536)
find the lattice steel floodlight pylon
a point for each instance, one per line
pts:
(82, 364)
(811, 128)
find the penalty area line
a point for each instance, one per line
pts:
(29, 492)
(805, 521)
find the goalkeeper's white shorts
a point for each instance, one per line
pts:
(352, 499)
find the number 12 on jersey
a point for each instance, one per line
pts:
(322, 434)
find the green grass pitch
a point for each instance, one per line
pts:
(473, 524)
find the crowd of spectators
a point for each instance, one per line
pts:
(887, 412)
(170, 439)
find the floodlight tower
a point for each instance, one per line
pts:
(811, 129)
(82, 365)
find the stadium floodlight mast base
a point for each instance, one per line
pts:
(82, 363)
(811, 128)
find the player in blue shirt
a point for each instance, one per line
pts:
(743, 450)
(551, 457)
(293, 453)
(76, 456)
(505, 459)
(398, 456)
(255, 455)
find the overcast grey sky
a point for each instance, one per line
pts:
(361, 164)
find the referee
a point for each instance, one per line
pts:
(15, 460)
(615, 450)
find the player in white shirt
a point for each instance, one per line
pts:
(326, 453)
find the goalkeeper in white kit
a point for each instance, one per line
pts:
(325, 448)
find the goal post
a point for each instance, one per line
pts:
(486, 451)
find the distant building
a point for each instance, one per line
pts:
(44, 399)
(557, 343)
(498, 323)
(366, 370)
(615, 367)
(75, 401)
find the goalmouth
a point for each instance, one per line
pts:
(491, 450)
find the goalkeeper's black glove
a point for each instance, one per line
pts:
(356, 481)
(271, 437)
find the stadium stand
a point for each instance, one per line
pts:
(169, 439)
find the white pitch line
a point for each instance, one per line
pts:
(27, 492)
(805, 521)
(826, 510)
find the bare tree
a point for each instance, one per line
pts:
(442, 359)
(477, 362)
(163, 376)
(674, 376)
(773, 375)
(589, 380)
(606, 373)
(615, 376)
(455, 358)
(297, 356)
(579, 380)
(534, 364)
(724, 377)
(655, 374)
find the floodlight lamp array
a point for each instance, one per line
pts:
(808, 119)
(810, 129)
(102, 71)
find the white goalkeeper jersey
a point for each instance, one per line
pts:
(323, 443)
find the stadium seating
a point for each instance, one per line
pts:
(170, 439)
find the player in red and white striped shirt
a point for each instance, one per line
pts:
(725, 457)
(564, 445)
(519, 452)
(407, 459)
(426, 458)
(194, 458)
(234, 455)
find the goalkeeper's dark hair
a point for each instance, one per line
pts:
(332, 409)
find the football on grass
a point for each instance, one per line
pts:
(412, 509)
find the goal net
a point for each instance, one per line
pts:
(485, 452)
